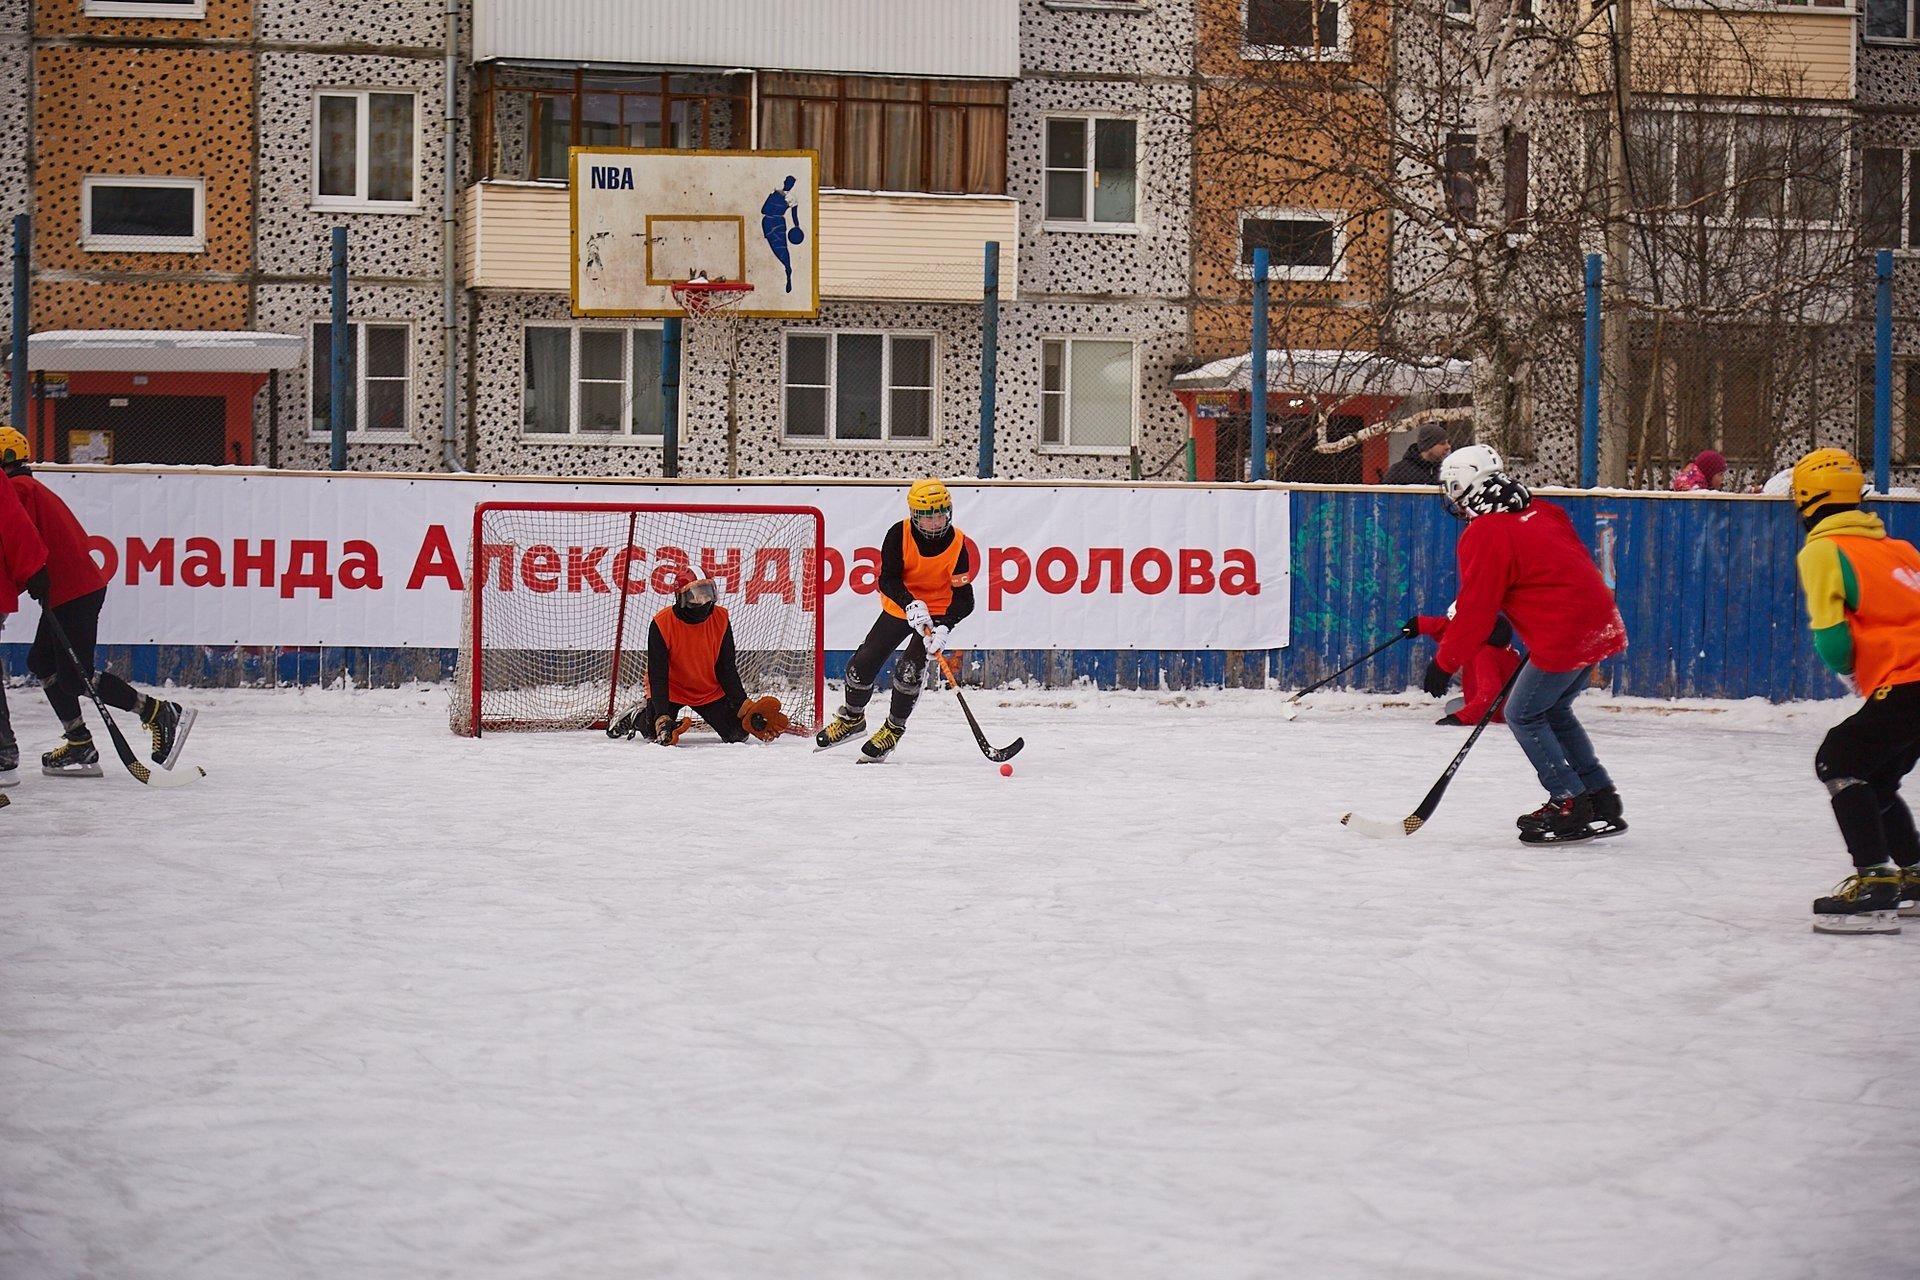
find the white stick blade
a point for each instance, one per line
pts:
(1374, 828)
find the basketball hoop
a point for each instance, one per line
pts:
(700, 297)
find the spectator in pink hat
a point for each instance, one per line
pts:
(1703, 472)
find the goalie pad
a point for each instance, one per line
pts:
(763, 718)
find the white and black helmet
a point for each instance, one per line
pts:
(1475, 483)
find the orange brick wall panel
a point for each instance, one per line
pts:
(1219, 38)
(225, 20)
(151, 113)
(157, 304)
(1221, 330)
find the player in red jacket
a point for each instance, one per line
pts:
(72, 593)
(1486, 670)
(1521, 557)
(23, 568)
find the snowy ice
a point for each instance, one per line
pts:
(375, 1001)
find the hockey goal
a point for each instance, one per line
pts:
(560, 596)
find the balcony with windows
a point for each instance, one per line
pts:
(913, 170)
(1782, 50)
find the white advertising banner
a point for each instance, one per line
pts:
(243, 557)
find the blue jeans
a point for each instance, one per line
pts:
(1540, 713)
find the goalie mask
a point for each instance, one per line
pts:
(694, 601)
(1473, 484)
(931, 508)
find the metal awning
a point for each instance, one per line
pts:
(1333, 373)
(161, 351)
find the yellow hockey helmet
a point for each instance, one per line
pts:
(13, 447)
(930, 506)
(1827, 477)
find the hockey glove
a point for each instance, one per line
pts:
(37, 585)
(1437, 680)
(763, 718)
(666, 731)
(1410, 628)
(918, 617)
(935, 641)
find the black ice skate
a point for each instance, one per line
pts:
(882, 743)
(1910, 890)
(169, 723)
(846, 725)
(1565, 822)
(73, 758)
(1608, 813)
(9, 763)
(1867, 901)
(1539, 818)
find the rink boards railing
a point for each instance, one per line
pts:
(1706, 584)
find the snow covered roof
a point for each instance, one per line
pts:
(1351, 373)
(161, 351)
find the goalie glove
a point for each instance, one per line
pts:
(667, 731)
(918, 617)
(763, 718)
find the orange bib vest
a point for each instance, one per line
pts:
(1886, 626)
(929, 579)
(693, 650)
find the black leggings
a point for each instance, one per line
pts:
(723, 714)
(1877, 745)
(48, 659)
(908, 670)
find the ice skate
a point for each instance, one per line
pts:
(1910, 890)
(73, 758)
(882, 743)
(1867, 901)
(1565, 822)
(169, 723)
(1608, 813)
(846, 724)
(9, 766)
(1539, 818)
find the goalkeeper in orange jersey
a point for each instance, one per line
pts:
(926, 576)
(691, 663)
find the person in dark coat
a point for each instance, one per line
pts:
(1420, 464)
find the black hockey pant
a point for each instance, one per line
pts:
(48, 660)
(1862, 761)
(723, 713)
(909, 669)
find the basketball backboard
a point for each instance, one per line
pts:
(644, 219)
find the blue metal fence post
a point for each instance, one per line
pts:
(342, 342)
(22, 319)
(670, 397)
(1882, 368)
(1590, 382)
(989, 355)
(1257, 375)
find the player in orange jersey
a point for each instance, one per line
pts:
(926, 577)
(691, 663)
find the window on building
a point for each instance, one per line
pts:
(1091, 171)
(379, 375)
(143, 214)
(858, 387)
(591, 381)
(176, 9)
(526, 119)
(1293, 28)
(1906, 415)
(1301, 244)
(366, 148)
(1721, 167)
(1460, 184)
(876, 134)
(1715, 390)
(1086, 395)
(1463, 9)
(1891, 20)
(1890, 198)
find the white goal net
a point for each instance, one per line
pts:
(560, 597)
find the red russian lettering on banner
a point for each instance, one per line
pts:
(725, 573)
(436, 560)
(1152, 557)
(246, 563)
(156, 558)
(583, 569)
(1196, 571)
(999, 582)
(624, 562)
(105, 555)
(360, 566)
(863, 579)
(833, 571)
(540, 568)
(1113, 560)
(1238, 574)
(201, 566)
(772, 574)
(810, 593)
(1055, 570)
(492, 555)
(306, 569)
(671, 567)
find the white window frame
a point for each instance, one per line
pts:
(1913, 25)
(143, 9)
(1726, 218)
(196, 242)
(1089, 120)
(319, 374)
(363, 152)
(1066, 444)
(1340, 51)
(1909, 160)
(1334, 274)
(573, 435)
(887, 440)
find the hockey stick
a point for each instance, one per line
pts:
(1414, 821)
(152, 777)
(1318, 684)
(987, 749)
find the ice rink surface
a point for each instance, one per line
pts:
(377, 1002)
